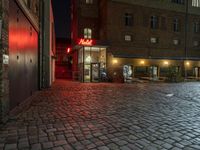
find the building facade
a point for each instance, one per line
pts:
(63, 59)
(126, 38)
(22, 51)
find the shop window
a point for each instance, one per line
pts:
(87, 33)
(89, 1)
(128, 19)
(128, 38)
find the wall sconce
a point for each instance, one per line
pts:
(115, 61)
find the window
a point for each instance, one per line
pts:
(178, 1)
(87, 33)
(196, 43)
(128, 38)
(128, 19)
(154, 22)
(176, 25)
(196, 27)
(176, 42)
(88, 1)
(196, 3)
(154, 40)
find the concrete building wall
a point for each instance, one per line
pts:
(4, 52)
(48, 44)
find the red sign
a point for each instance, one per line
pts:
(86, 42)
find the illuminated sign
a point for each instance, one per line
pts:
(86, 42)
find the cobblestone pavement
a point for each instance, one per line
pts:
(75, 116)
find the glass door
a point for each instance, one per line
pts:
(154, 72)
(95, 68)
(87, 73)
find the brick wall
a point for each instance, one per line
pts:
(4, 82)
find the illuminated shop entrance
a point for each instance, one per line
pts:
(92, 64)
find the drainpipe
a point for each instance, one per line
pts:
(186, 35)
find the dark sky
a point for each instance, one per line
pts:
(61, 10)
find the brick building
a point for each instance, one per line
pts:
(27, 46)
(63, 59)
(137, 38)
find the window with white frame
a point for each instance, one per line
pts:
(128, 38)
(87, 33)
(88, 1)
(196, 27)
(153, 40)
(128, 17)
(154, 22)
(196, 3)
(176, 25)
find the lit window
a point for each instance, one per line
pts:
(153, 40)
(128, 38)
(196, 27)
(128, 19)
(176, 25)
(178, 1)
(154, 22)
(87, 33)
(196, 3)
(176, 42)
(89, 1)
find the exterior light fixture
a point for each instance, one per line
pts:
(142, 62)
(68, 50)
(115, 61)
(187, 63)
(166, 63)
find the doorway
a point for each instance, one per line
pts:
(154, 72)
(197, 72)
(95, 68)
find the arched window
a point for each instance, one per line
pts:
(87, 33)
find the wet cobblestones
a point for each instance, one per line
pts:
(75, 116)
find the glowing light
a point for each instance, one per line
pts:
(88, 59)
(115, 61)
(142, 62)
(166, 63)
(68, 50)
(187, 63)
(86, 42)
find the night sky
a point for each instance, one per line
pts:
(61, 10)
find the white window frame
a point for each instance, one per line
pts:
(196, 3)
(128, 37)
(87, 33)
